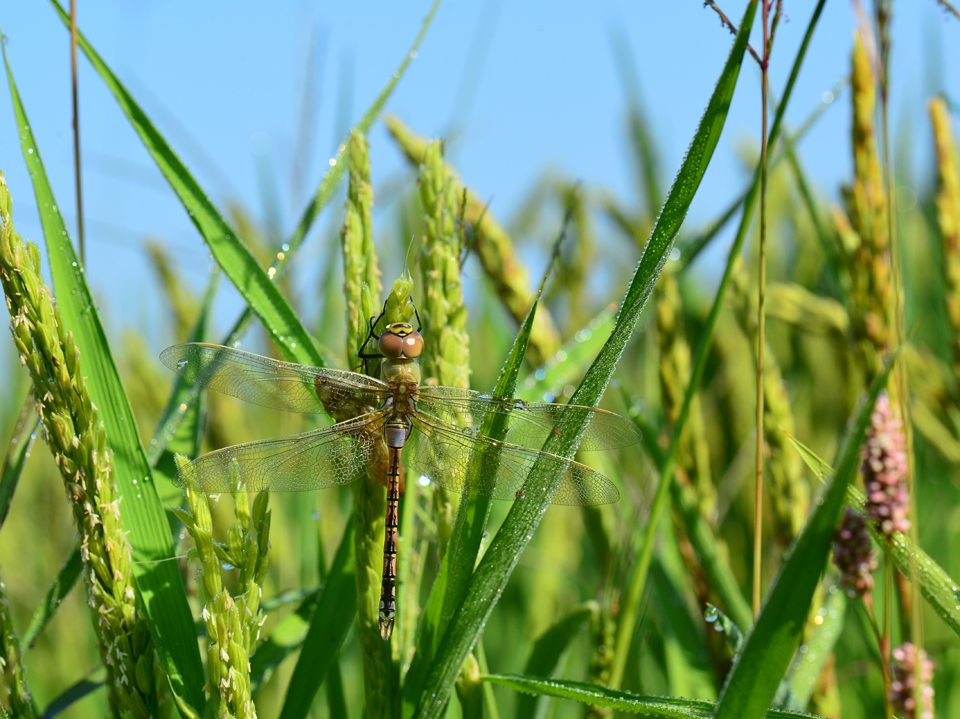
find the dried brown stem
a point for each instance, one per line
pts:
(726, 22)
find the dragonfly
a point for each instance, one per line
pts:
(438, 430)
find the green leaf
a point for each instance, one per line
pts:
(702, 537)
(490, 577)
(549, 648)
(336, 609)
(820, 468)
(686, 655)
(805, 675)
(723, 623)
(58, 590)
(159, 582)
(638, 577)
(24, 433)
(752, 683)
(666, 707)
(664, 232)
(572, 359)
(75, 692)
(286, 638)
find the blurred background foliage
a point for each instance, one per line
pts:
(823, 348)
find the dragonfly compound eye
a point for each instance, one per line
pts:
(401, 341)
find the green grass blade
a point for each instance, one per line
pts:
(59, 588)
(74, 693)
(549, 648)
(574, 358)
(726, 625)
(702, 538)
(805, 675)
(286, 638)
(638, 573)
(495, 568)
(24, 434)
(686, 656)
(681, 194)
(336, 609)
(143, 516)
(662, 707)
(465, 537)
(820, 468)
(753, 681)
(936, 586)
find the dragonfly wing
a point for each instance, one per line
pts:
(444, 453)
(321, 458)
(530, 424)
(272, 383)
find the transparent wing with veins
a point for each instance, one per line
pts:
(443, 453)
(272, 383)
(313, 460)
(530, 424)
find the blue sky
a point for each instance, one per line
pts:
(530, 85)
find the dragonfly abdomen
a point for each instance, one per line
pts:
(395, 434)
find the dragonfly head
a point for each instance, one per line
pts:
(400, 341)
